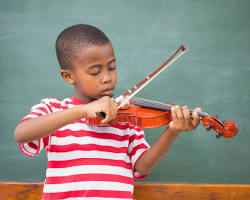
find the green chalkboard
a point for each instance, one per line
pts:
(214, 74)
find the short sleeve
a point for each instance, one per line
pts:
(137, 146)
(34, 147)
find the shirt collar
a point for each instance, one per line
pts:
(76, 101)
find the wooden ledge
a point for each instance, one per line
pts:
(185, 191)
(143, 191)
(18, 191)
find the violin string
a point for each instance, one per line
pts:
(158, 105)
(152, 104)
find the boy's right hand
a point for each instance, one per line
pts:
(105, 105)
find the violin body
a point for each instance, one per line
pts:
(138, 116)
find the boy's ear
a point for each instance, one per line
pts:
(67, 76)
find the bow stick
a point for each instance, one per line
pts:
(126, 96)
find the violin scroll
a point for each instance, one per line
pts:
(231, 129)
(226, 129)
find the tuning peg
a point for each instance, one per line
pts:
(209, 127)
(218, 135)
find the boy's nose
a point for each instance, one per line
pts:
(106, 77)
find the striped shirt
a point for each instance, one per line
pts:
(87, 162)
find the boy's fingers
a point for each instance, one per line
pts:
(195, 113)
(110, 111)
(179, 113)
(196, 118)
(114, 109)
(197, 109)
(187, 116)
(173, 113)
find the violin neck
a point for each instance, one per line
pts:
(159, 106)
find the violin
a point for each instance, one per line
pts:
(151, 114)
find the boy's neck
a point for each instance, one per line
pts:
(83, 98)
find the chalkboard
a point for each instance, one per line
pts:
(214, 74)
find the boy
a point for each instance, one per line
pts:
(92, 162)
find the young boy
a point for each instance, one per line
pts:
(92, 162)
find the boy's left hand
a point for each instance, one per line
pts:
(183, 120)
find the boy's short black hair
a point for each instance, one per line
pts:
(75, 37)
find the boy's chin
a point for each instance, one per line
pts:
(111, 96)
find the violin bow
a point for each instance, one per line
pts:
(126, 96)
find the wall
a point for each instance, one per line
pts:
(214, 74)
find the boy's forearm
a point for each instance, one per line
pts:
(39, 127)
(154, 155)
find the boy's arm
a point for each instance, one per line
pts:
(182, 121)
(42, 126)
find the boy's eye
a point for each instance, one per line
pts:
(94, 72)
(112, 68)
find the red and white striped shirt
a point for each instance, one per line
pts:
(87, 162)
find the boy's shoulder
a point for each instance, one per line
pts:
(57, 103)
(56, 100)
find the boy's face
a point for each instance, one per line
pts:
(94, 72)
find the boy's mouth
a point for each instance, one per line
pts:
(108, 92)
